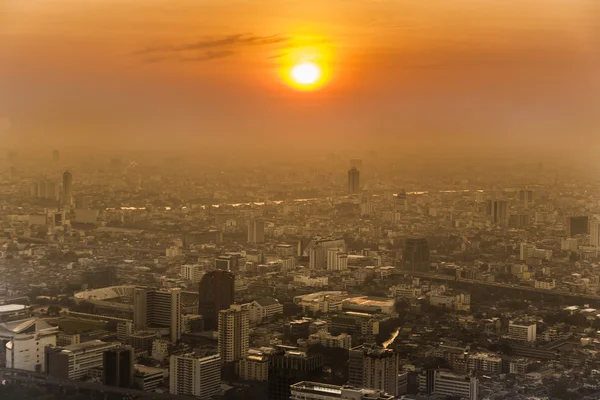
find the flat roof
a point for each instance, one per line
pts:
(12, 307)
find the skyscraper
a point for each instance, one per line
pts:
(577, 225)
(497, 212)
(55, 155)
(595, 233)
(67, 198)
(256, 231)
(373, 367)
(195, 376)
(233, 333)
(216, 290)
(160, 308)
(118, 366)
(416, 254)
(526, 197)
(353, 181)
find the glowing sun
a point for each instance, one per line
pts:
(306, 73)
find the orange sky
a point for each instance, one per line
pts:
(96, 69)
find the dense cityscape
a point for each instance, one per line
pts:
(132, 280)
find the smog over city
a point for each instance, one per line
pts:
(299, 199)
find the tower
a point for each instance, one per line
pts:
(67, 198)
(160, 308)
(416, 254)
(217, 291)
(195, 376)
(497, 212)
(118, 367)
(374, 367)
(353, 181)
(256, 231)
(233, 333)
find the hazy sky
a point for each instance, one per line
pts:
(198, 70)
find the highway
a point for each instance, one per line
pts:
(18, 375)
(549, 292)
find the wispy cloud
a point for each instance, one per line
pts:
(208, 49)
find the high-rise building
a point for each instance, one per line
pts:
(256, 231)
(336, 260)
(67, 198)
(195, 376)
(56, 155)
(158, 308)
(401, 201)
(577, 225)
(234, 333)
(526, 197)
(317, 257)
(595, 233)
(374, 367)
(416, 254)
(289, 367)
(353, 181)
(497, 212)
(217, 292)
(118, 367)
(527, 251)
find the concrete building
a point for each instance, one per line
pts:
(158, 308)
(263, 310)
(195, 376)
(441, 383)
(22, 343)
(485, 363)
(522, 332)
(353, 181)
(253, 367)
(336, 260)
(326, 339)
(148, 378)
(191, 273)
(374, 367)
(118, 367)
(76, 361)
(256, 231)
(234, 333)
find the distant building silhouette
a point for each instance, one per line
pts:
(118, 367)
(577, 225)
(497, 212)
(56, 155)
(416, 254)
(217, 291)
(67, 198)
(256, 231)
(353, 181)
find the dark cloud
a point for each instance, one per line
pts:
(202, 50)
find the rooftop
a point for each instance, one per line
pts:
(11, 307)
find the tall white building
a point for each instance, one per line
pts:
(336, 260)
(233, 333)
(158, 308)
(191, 272)
(526, 333)
(595, 233)
(24, 342)
(256, 231)
(195, 376)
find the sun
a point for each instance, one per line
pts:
(306, 73)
